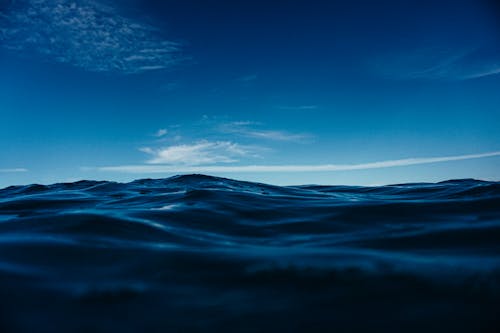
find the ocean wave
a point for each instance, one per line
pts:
(200, 253)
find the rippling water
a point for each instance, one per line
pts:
(198, 253)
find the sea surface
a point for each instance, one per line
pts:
(197, 253)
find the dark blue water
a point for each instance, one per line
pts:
(203, 254)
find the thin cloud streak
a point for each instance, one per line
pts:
(441, 64)
(297, 108)
(248, 129)
(292, 168)
(494, 70)
(13, 170)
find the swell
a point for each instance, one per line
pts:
(220, 212)
(192, 253)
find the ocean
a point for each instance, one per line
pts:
(197, 253)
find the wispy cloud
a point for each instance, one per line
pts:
(494, 69)
(441, 64)
(291, 168)
(201, 152)
(251, 130)
(161, 132)
(86, 34)
(297, 107)
(13, 170)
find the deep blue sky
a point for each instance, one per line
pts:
(284, 92)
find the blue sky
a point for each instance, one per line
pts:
(285, 92)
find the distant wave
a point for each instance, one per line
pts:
(198, 253)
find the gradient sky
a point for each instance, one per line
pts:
(284, 92)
